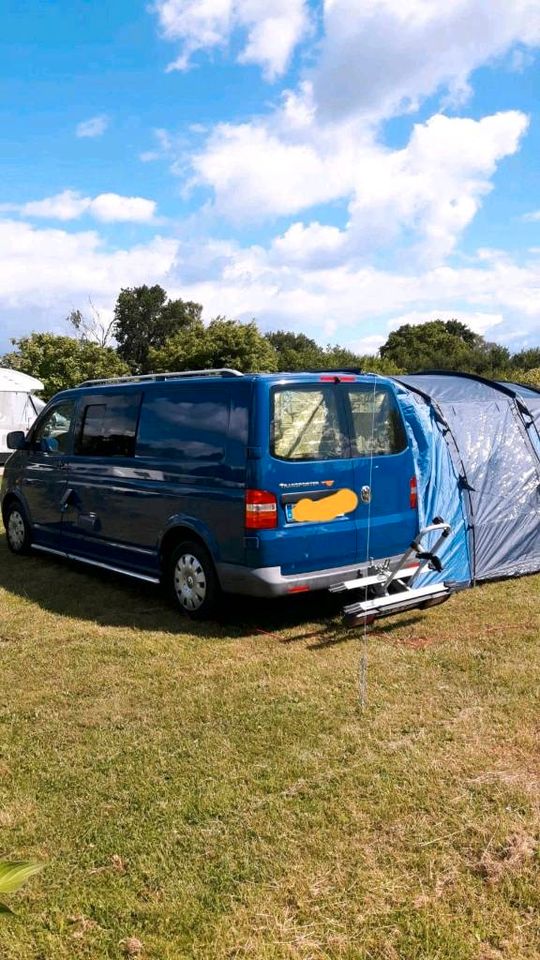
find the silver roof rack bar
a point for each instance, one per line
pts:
(142, 377)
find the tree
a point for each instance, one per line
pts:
(445, 345)
(144, 320)
(490, 359)
(527, 359)
(295, 351)
(91, 326)
(461, 330)
(62, 362)
(336, 357)
(223, 343)
(530, 378)
(426, 346)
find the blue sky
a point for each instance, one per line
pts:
(334, 168)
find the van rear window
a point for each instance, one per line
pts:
(306, 424)
(377, 425)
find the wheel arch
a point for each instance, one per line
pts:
(184, 530)
(9, 499)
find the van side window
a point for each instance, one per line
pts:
(185, 423)
(306, 424)
(377, 426)
(55, 427)
(108, 426)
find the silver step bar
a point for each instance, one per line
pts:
(391, 585)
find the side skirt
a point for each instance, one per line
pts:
(96, 563)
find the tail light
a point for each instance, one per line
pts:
(261, 510)
(413, 493)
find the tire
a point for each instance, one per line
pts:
(192, 580)
(18, 532)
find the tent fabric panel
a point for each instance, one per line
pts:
(521, 389)
(510, 550)
(504, 474)
(447, 387)
(532, 421)
(439, 493)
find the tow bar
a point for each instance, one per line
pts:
(391, 586)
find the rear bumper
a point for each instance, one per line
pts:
(270, 582)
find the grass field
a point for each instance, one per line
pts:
(215, 791)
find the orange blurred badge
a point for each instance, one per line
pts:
(343, 501)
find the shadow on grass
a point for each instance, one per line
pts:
(74, 590)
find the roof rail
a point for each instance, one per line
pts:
(355, 370)
(143, 377)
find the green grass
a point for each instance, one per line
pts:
(216, 792)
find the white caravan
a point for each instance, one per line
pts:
(18, 405)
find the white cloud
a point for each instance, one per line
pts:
(376, 57)
(520, 60)
(272, 30)
(64, 264)
(70, 205)
(94, 127)
(353, 305)
(163, 146)
(531, 217)
(370, 345)
(314, 245)
(393, 53)
(275, 30)
(44, 272)
(431, 189)
(321, 144)
(113, 208)
(356, 305)
(67, 205)
(255, 172)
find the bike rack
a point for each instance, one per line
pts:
(391, 584)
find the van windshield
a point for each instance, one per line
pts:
(306, 424)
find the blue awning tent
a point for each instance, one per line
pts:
(476, 445)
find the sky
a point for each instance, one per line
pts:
(335, 168)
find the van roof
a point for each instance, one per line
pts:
(225, 373)
(134, 382)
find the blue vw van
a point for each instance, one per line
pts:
(216, 482)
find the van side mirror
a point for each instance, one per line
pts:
(16, 440)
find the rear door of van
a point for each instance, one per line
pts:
(384, 476)
(303, 460)
(338, 463)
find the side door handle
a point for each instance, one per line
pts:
(69, 499)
